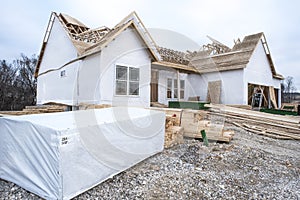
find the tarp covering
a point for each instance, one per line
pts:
(60, 155)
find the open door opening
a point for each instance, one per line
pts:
(267, 96)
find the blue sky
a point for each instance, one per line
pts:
(23, 23)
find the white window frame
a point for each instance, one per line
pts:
(174, 88)
(127, 80)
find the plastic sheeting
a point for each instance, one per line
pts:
(60, 155)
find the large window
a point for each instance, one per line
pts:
(127, 80)
(172, 88)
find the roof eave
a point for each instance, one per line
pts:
(45, 40)
(278, 76)
(176, 66)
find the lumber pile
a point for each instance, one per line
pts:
(37, 110)
(275, 126)
(247, 107)
(192, 122)
(84, 106)
(173, 132)
(45, 109)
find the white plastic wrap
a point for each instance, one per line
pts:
(60, 155)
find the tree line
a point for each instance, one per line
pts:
(17, 83)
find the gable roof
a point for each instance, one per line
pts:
(90, 41)
(236, 58)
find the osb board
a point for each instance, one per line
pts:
(214, 91)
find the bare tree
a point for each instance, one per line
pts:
(17, 83)
(289, 88)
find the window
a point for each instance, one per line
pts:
(134, 75)
(127, 80)
(172, 88)
(169, 88)
(175, 88)
(182, 85)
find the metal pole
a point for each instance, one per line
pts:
(204, 138)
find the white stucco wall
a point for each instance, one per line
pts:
(88, 76)
(197, 86)
(232, 85)
(97, 73)
(258, 71)
(59, 50)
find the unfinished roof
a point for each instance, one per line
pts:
(172, 56)
(236, 58)
(106, 38)
(89, 41)
(213, 57)
(73, 25)
(70, 20)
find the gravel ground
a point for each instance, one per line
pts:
(249, 167)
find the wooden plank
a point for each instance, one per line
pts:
(260, 132)
(272, 97)
(251, 113)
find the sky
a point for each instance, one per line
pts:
(185, 24)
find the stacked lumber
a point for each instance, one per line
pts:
(174, 112)
(173, 132)
(247, 107)
(37, 110)
(84, 106)
(45, 109)
(276, 126)
(193, 121)
(8, 113)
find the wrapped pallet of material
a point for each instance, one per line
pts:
(60, 155)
